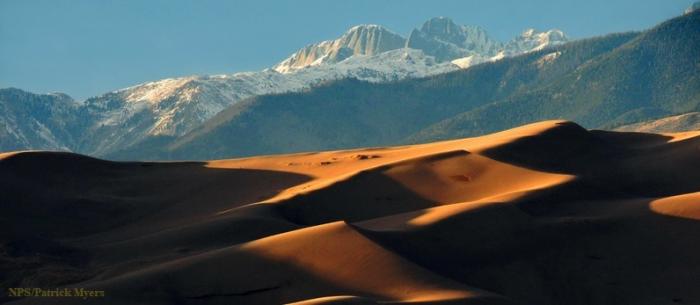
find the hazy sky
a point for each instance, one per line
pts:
(87, 47)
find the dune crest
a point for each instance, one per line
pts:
(685, 206)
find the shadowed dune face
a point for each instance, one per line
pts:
(600, 259)
(548, 213)
(68, 195)
(646, 165)
(85, 196)
(61, 212)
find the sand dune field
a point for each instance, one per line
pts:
(547, 213)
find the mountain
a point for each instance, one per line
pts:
(530, 40)
(655, 74)
(47, 121)
(349, 113)
(157, 112)
(438, 37)
(442, 38)
(169, 107)
(601, 81)
(677, 123)
(398, 96)
(446, 41)
(173, 107)
(359, 40)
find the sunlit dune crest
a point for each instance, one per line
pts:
(685, 206)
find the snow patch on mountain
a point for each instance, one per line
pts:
(548, 58)
(471, 60)
(531, 40)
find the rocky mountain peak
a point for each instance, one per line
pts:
(445, 40)
(369, 39)
(440, 27)
(366, 39)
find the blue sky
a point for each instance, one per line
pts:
(88, 47)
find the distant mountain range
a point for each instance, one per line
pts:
(374, 87)
(600, 82)
(439, 38)
(173, 107)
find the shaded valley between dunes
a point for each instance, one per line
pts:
(546, 213)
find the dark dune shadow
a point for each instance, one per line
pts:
(67, 195)
(205, 285)
(630, 164)
(239, 275)
(600, 255)
(567, 148)
(364, 196)
(57, 207)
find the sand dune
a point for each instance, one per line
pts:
(548, 213)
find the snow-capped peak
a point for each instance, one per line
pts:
(366, 39)
(445, 40)
(439, 37)
(366, 27)
(532, 40)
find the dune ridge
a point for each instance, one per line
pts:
(547, 213)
